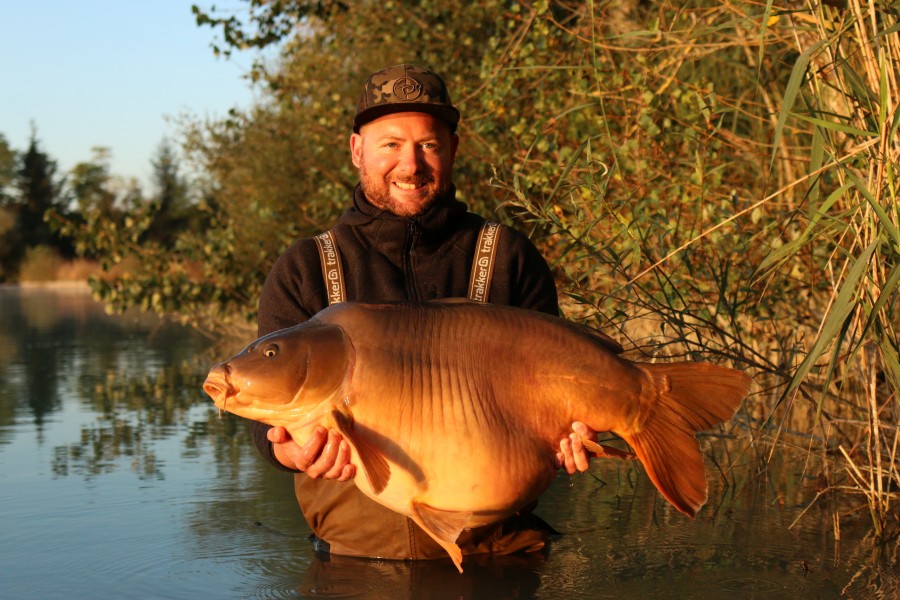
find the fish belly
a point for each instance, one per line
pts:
(486, 499)
(456, 450)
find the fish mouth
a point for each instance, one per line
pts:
(218, 385)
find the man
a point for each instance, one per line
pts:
(405, 239)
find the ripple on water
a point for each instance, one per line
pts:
(749, 585)
(336, 589)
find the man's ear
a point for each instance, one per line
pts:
(355, 149)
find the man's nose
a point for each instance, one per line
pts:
(411, 159)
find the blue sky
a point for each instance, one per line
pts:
(110, 73)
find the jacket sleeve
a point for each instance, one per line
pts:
(529, 280)
(258, 433)
(284, 302)
(281, 299)
(537, 289)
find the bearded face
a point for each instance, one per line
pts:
(405, 161)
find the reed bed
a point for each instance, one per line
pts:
(733, 196)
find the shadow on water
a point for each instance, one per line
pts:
(121, 480)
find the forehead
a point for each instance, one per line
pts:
(418, 124)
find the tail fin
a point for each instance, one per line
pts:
(690, 397)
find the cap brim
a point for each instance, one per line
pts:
(448, 114)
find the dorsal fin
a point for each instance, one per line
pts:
(454, 300)
(607, 342)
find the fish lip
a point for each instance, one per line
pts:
(218, 385)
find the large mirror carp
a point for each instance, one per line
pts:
(454, 410)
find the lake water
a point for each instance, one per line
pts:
(118, 479)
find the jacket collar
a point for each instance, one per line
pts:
(439, 216)
(392, 235)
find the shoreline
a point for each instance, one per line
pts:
(61, 285)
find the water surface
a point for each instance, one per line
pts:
(120, 480)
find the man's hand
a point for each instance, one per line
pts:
(325, 454)
(572, 455)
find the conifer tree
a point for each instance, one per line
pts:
(38, 191)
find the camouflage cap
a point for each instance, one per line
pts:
(405, 88)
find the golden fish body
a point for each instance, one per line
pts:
(454, 410)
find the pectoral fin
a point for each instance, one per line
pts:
(377, 469)
(444, 526)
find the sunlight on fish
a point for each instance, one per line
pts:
(503, 385)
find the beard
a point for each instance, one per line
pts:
(381, 192)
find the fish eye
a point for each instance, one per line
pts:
(270, 351)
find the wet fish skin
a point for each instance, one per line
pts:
(454, 410)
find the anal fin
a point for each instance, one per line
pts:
(376, 466)
(601, 451)
(444, 527)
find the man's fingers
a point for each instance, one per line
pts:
(326, 459)
(325, 453)
(572, 455)
(565, 447)
(582, 430)
(278, 435)
(579, 454)
(340, 461)
(311, 449)
(348, 473)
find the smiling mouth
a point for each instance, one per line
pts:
(409, 186)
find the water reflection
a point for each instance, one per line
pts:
(484, 577)
(121, 480)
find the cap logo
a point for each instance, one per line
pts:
(407, 88)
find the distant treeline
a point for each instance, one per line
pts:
(42, 211)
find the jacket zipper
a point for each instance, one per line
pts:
(409, 253)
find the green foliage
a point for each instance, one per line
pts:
(39, 191)
(845, 99)
(267, 22)
(90, 184)
(9, 240)
(148, 248)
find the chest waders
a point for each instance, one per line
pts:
(479, 280)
